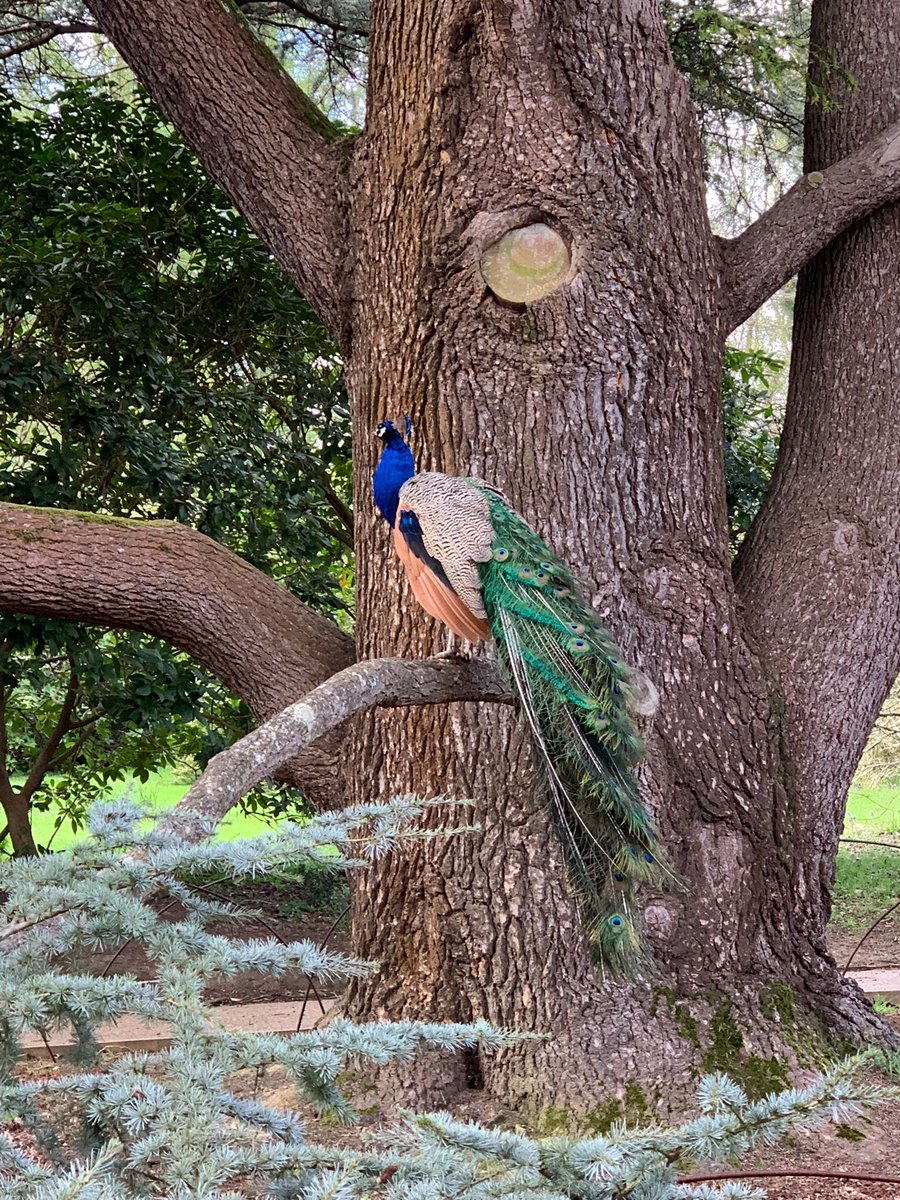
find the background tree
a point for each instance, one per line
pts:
(596, 407)
(154, 363)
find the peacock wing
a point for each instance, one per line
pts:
(443, 531)
(573, 689)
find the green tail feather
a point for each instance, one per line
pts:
(573, 688)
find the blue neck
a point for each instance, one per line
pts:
(395, 466)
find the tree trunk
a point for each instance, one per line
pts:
(823, 556)
(597, 411)
(18, 826)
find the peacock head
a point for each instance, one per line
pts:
(388, 434)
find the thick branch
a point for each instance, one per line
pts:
(170, 581)
(817, 208)
(378, 682)
(257, 134)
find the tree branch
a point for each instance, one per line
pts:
(263, 141)
(168, 580)
(376, 683)
(41, 33)
(816, 209)
(349, 16)
(45, 756)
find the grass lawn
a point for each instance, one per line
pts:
(868, 877)
(872, 812)
(160, 792)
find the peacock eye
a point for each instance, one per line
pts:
(526, 572)
(577, 645)
(618, 877)
(576, 627)
(616, 922)
(501, 554)
(541, 577)
(561, 592)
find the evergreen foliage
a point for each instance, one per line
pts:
(752, 428)
(745, 62)
(175, 1123)
(154, 363)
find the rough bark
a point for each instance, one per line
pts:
(173, 582)
(820, 573)
(597, 410)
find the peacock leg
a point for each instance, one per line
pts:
(454, 649)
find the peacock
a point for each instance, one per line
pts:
(478, 567)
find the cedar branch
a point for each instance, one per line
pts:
(376, 683)
(817, 208)
(351, 17)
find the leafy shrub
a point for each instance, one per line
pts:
(752, 428)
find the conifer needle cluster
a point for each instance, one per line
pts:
(174, 1124)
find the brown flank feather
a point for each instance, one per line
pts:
(436, 598)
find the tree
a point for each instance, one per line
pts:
(174, 374)
(596, 407)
